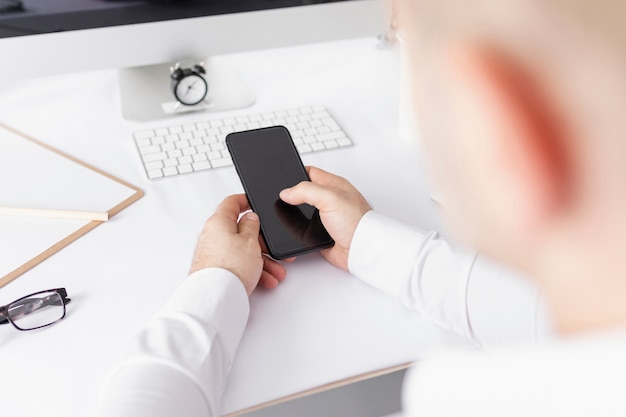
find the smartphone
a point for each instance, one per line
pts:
(267, 162)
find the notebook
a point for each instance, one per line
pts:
(35, 175)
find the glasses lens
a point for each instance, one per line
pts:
(37, 310)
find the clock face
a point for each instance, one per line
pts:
(191, 90)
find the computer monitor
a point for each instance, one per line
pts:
(144, 38)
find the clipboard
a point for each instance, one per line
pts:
(35, 175)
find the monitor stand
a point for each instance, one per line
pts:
(146, 92)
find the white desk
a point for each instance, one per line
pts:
(319, 327)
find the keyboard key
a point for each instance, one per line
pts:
(203, 148)
(185, 160)
(151, 157)
(329, 136)
(304, 148)
(317, 146)
(201, 165)
(175, 153)
(344, 141)
(183, 169)
(214, 155)
(221, 162)
(199, 157)
(149, 149)
(226, 130)
(143, 134)
(198, 134)
(185, 136)
(169, 171)
(143, 142)
(172, 162)
(154, 165)
(155, 173)
(331, 144)
(182, 144)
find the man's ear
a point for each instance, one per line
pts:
(511, 141)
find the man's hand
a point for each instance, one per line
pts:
(234, 245)
(341, 208)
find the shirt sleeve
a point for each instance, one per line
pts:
(178, 364)
(574, 377)
(453, 287)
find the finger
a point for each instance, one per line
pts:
(265, 251)
(228, 211)
(319, 176)
(307, 192)
(274, 268)
(232, 206)
(268, 281)
(249, 225)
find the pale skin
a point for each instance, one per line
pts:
(233, 243)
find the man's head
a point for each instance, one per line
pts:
(521, 105)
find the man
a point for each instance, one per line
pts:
(520, 103)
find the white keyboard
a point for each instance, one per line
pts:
(193, 147)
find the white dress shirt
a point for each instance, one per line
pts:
(498, 309)
(179, 363)
(453, 287)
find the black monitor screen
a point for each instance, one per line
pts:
(30, 17)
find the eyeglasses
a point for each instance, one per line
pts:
(35, 311)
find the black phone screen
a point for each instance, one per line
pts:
(267, 162)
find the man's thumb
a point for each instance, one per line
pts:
(249, 224)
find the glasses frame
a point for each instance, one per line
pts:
(4, 310)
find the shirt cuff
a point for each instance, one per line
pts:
(217, 298)
(382, 252)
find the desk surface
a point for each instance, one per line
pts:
(320, 326)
